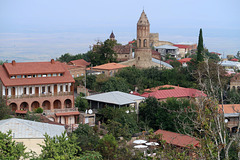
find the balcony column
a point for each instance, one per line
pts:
(52, 89)
(33, 89)
(39, 90)
(27, 90)
(64, 87)
(3, 90)
(16, 91)
(9, 91)
(69, 84)
(58, 88)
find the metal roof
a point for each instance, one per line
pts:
(115, 97)
(161, 62)
(166, 47)
(230, 64)
(29, 129)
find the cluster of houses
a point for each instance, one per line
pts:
(28, 86)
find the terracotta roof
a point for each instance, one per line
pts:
(182, 46)
(234, 59)
(177, 139)
(177, 93)
(184, 60)
(164, 86)
(68, 67)
(231, 108)
(216, 53)
(66, 78)
(21, 112)
(122, 49)
(67, 113)
(110, 66)
(80, 62)
(169, 61)
(28, 68)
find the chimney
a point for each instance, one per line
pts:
(52, 61)
(13, 62)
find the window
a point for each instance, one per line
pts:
(145, 43)
(49, 75)
(43, 89)
(29, 76)
(77, 75)
(24, 76)
(82, 74)
(139, 42)
(39, 75)
(34, 76)
(13, 77)
(54, 75)
(138, 58)
(19, 76)
(60, 74)
(49, 89)
(30, 90)
(44, 75)
(61, 88)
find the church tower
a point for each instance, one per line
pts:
(112, 36)
(143, 52)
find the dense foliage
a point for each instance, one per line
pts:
(4, 109)
(81, 103)
(9, 149)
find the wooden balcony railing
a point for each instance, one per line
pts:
(39, 95)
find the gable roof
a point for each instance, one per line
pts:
(177, 93)
(80, 62)
(166, 47)
(161, 62)
(182, 46)
(115, 97)
(29, 129)
(122, 49)
(177, 139)
(110, 66)
(163, 86)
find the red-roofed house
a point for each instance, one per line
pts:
(30, 85)
(109, 69)
(234, 60)
(185, 48)
(184, 61)
(79, 62)
(177, 139)
(176, 93)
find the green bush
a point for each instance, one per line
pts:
(39, 110)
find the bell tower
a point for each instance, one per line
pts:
(143, 52)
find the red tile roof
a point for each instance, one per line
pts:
(110, 66)
(51, 68)
(182, 46)
(21, 112)
(177, 93)
(67, 113)
(178, 139)
(184, 60)
(28, 68)
(216, 53)
(169, 61)
(80, 62)
(122, 49)
(230, 108)
(234, 59)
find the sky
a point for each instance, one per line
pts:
(38, 30)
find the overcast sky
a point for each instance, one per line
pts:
(38, 30)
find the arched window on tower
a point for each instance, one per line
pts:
(139, 43)
(145, 43)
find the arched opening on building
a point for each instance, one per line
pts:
(57, 104)
(35, 105)
(68, 103)
(24, 106)
(145, 43)
(46, 105)
(139, 44)
(13, 106)
(234, 88)
(234, 129)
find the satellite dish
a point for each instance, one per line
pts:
(226, 120)
(90, 111)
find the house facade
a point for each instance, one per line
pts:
(30, 85)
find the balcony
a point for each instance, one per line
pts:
(52, 112)
(39, 95)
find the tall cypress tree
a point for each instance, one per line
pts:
(200, 47)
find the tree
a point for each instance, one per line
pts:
(81, 103)
(60, 147)
(86, 137)
(115, 84)
(200, 47)
(4, 109)
(9, 149)
(108, 146)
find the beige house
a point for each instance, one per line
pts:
(30, 133)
